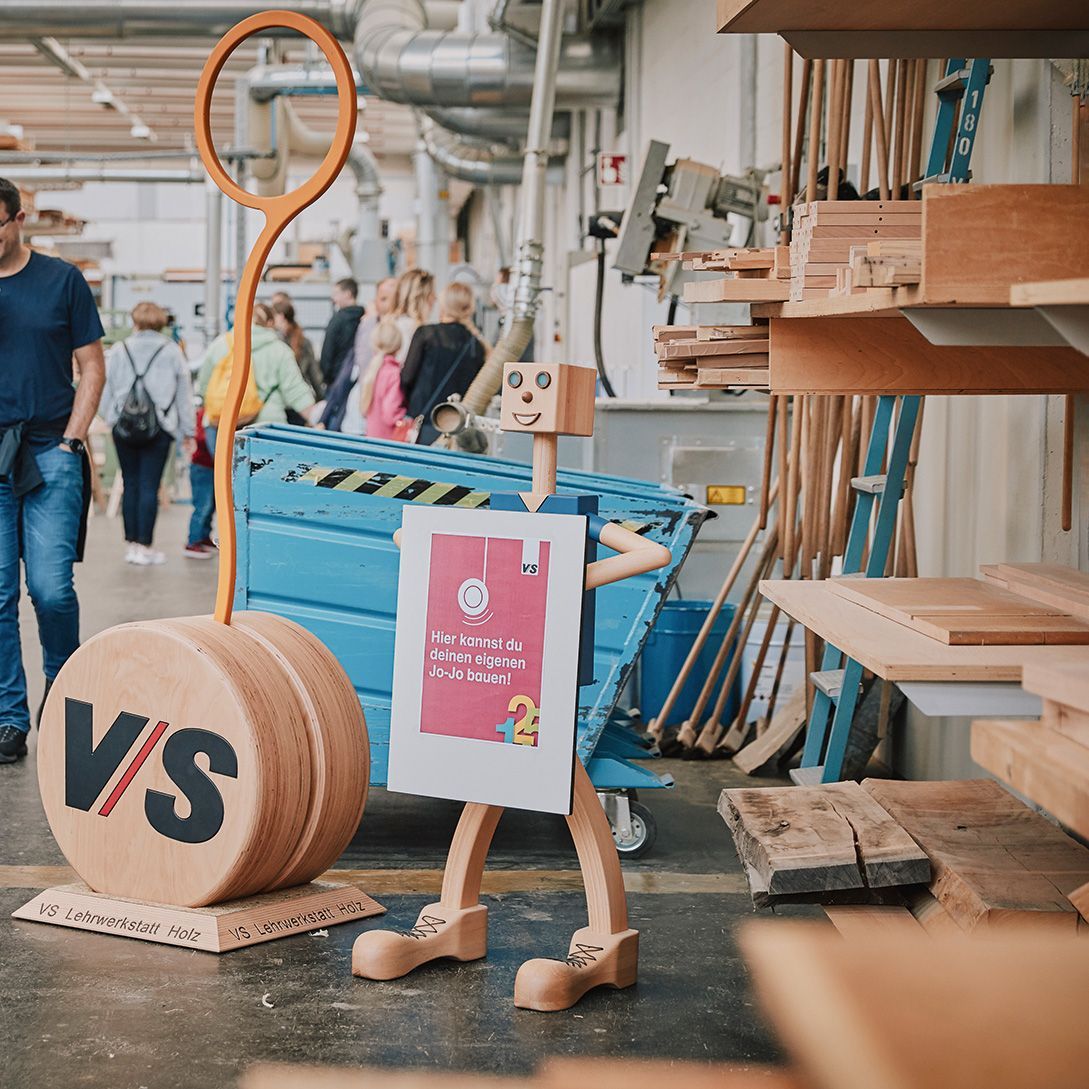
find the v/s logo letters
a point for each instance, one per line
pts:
(88, 769)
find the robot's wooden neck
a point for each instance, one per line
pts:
(544, 465)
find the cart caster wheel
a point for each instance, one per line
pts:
(644, 831)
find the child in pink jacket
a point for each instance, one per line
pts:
(380, 398)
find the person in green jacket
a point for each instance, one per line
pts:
(280, 383)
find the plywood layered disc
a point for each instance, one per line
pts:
(337, 738)
(174, 762)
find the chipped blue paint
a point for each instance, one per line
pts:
(326, 559)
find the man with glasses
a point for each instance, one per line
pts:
(47, 316)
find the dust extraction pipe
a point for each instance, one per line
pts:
(400, 59)
(529, 255)
(474, 162)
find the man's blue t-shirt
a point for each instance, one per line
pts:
(47, 311)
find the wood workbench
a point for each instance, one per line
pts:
(892, 651)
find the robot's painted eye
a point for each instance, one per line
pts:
(514, 379)
(544, 379)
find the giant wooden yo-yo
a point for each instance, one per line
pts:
(190, 761)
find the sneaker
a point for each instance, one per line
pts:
(12, 744)
(209, 545)
(153, 558)
(198, 551)
(139, 556)
(131, 552)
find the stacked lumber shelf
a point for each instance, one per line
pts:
(894, 263)
(990, 862)
(751, 275)
(825, 233)
(711, 356)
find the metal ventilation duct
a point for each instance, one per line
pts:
(400, 59)
(472, 161)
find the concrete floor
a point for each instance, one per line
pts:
(87, 1010)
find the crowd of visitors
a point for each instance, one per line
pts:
(381, 369)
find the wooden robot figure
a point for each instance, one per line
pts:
(546, 400)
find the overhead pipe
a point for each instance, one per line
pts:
(402, 60)
(148, 18)
(474, 162)
(76, 158)
(41, 175)
(528, 261)
(118, 19)
(494, 124)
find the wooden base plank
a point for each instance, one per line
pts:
(789, 721)
(996, 863)
(215, 929)
(860, 920)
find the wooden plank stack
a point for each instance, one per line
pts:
(1047, 760)
(825, 232)
(964, 611)
(752, 275)
(895, 263)
(711, 356)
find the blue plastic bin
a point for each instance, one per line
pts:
(665, 651)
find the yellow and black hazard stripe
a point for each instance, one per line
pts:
(414, 490)
(391, 486)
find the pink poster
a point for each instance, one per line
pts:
(484, 638)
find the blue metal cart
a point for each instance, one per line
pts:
(316, 512)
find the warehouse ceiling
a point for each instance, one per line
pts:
(154, 82)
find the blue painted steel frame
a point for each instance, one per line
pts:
(326, 559)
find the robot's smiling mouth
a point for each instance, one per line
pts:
(525, 420)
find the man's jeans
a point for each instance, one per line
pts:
(43, 529)
(201, 484)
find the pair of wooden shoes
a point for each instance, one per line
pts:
(594, 959)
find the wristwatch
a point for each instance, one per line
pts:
(75, 445)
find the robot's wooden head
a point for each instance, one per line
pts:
(548, 398)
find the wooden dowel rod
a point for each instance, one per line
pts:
(1068, 463)
(837, 74)
(867, 144)
(783, 442)
(916, 159)
(786, 197)
(880, 130)
(800, 129)
(806, 485)
(898, 130)
(790, 524)
(769, 456)
(890, 97)
(816, 113)
(736, 732)
(845, 126)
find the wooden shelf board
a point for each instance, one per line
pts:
(914, 28)
(892, 651)
(887, 354)
(1051, 293)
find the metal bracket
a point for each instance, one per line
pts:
(617, 810)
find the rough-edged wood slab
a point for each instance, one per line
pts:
(789, 721)
(908, 1011)
(818, 839)
(996, 863)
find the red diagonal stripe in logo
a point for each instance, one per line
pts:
(132, 769)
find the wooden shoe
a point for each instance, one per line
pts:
(460, 933)
(595, 960)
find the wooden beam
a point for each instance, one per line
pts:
(888, 355)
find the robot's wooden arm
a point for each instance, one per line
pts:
(636, 556)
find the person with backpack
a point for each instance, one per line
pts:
(340, 332)
(148, 404)
(275, 386)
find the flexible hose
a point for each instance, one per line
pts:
(599, 298)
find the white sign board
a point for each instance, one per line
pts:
(485, 671)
